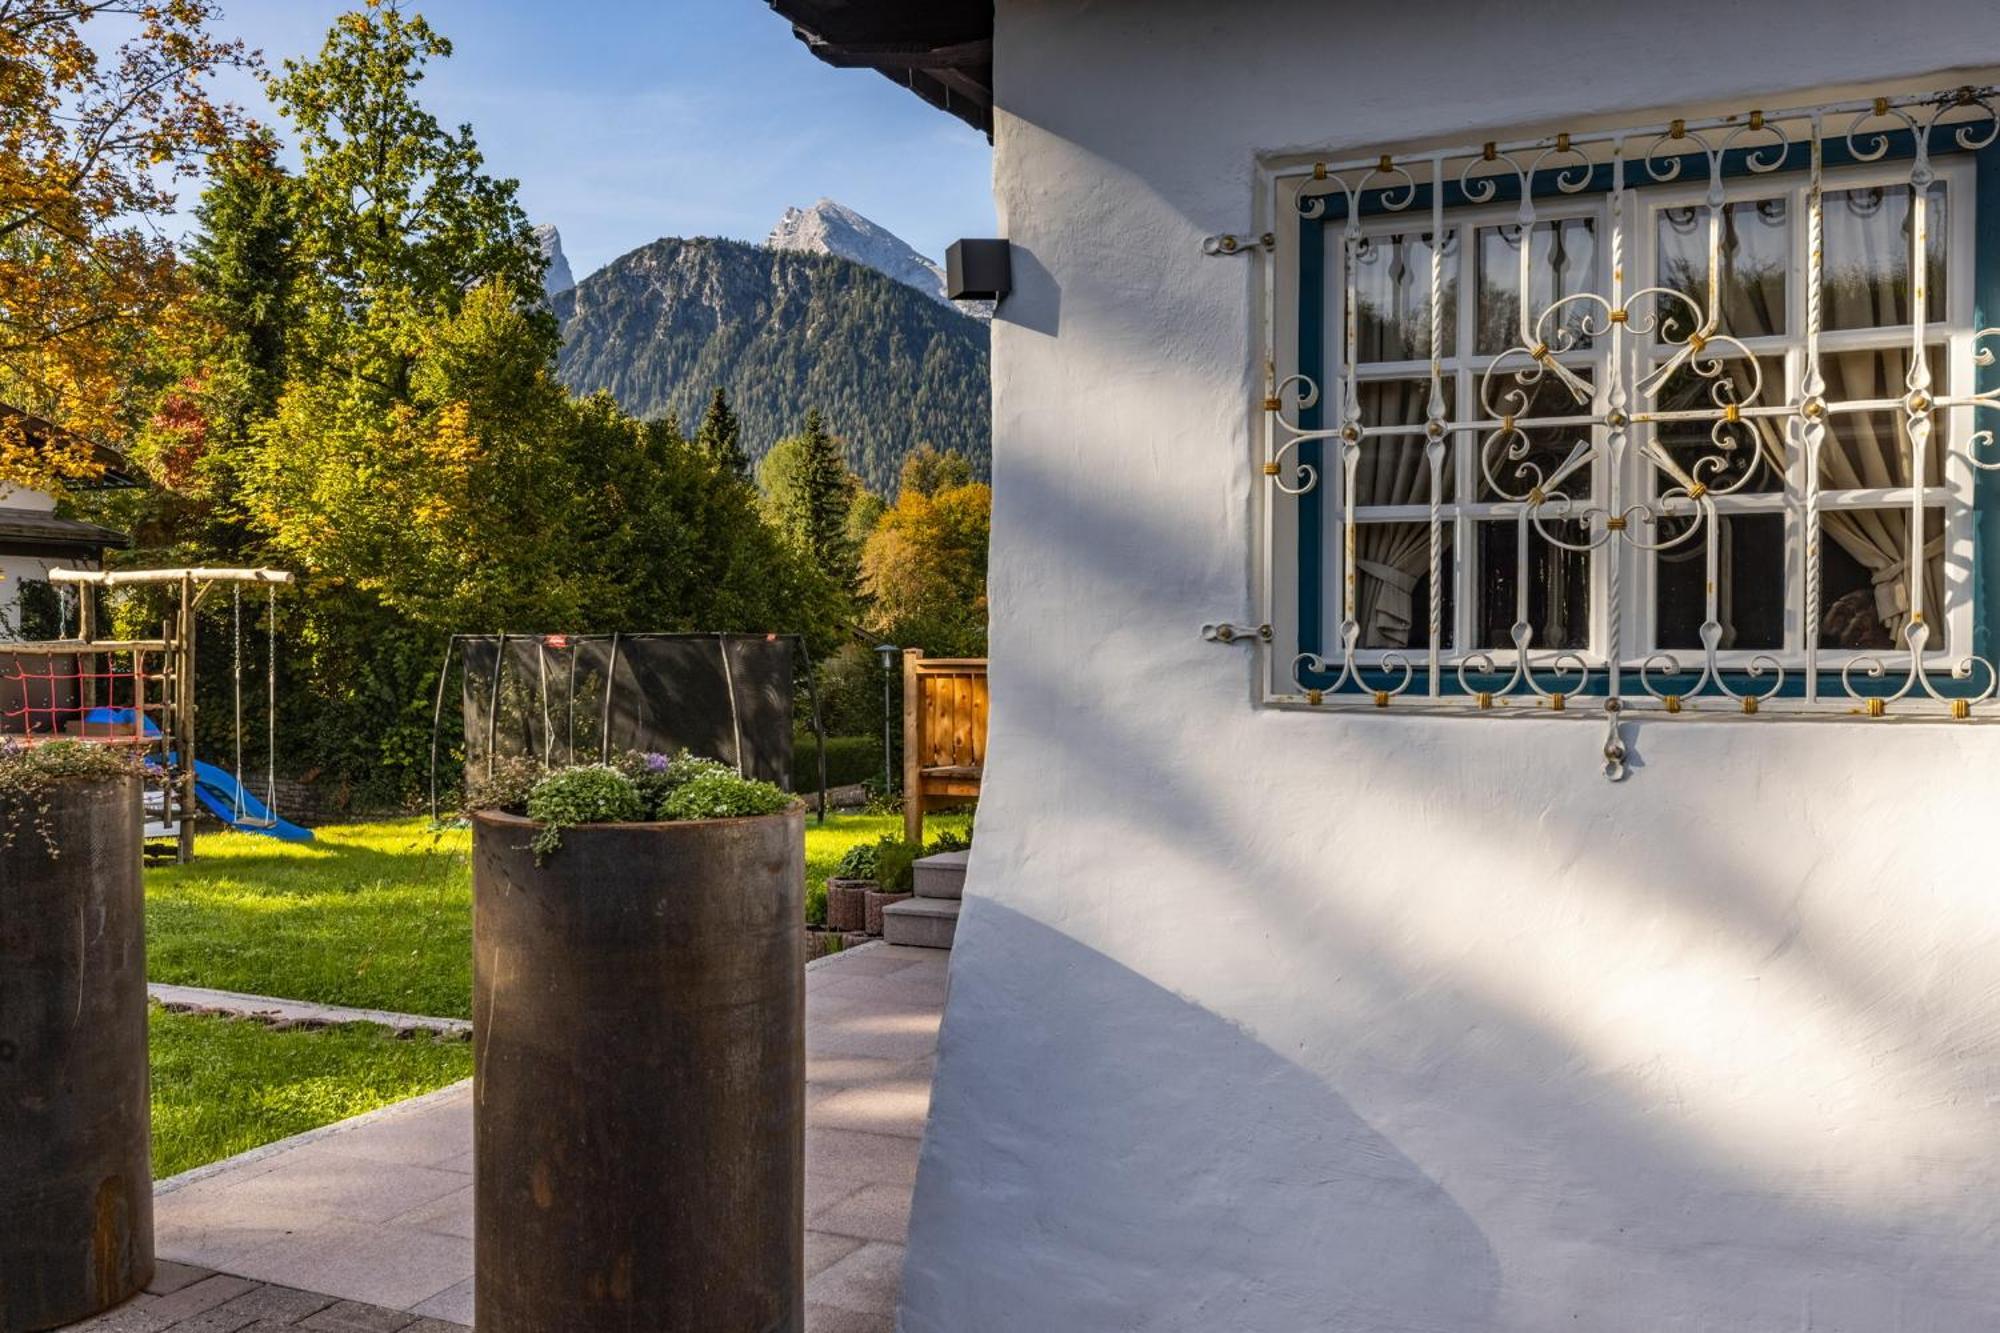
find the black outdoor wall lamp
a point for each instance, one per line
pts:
(978, 270)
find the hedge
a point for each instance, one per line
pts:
(849, 759)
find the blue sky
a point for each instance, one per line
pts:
(628, 120)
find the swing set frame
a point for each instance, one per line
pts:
(176, 677)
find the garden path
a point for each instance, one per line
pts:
(378, 1210)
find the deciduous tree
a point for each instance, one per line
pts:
(924, 569)
(94, 138)
(397, 219)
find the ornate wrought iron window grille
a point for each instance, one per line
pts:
(1579, 377)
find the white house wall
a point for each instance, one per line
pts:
(1268, 1020)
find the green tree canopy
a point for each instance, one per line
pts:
(396, 216)
(927, 471)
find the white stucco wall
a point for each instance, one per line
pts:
(1277, 1021)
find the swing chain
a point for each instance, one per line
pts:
(237, 679)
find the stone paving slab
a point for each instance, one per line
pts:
(183, 1298)
(369, 1222)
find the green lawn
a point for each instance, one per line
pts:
(377, 916)
(222, 1086)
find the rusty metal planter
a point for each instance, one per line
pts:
(639, 1106)
(76, 1187)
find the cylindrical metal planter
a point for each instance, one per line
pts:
(639, 1105)
(76, 1187)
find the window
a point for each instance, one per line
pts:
(1687, 418)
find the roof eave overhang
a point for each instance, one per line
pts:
(941, 50)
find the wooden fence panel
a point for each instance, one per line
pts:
(945, 706)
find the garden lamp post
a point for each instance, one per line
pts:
(887, 652)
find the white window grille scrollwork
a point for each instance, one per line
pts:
(1688, 419)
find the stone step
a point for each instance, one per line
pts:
(942, 875)
(927, 923)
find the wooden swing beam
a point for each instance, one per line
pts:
(177, 646)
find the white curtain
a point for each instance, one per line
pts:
(1392, 561)
(1866, 286)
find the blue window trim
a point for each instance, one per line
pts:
(1311, 272)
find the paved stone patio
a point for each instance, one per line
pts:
(376, 1213)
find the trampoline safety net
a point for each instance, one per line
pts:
(578, 698)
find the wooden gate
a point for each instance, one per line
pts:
(944, 734)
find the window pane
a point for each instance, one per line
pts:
(1392, 296)
(1750, 452)
(1749, 585)
(1756, 256)
(1393, 469)
(1867, 450)
(1866, 281)
(40, 611)
(1864, 586)
(1546, 446)
(1563, 263)
(1392, 584)
(1558, 587)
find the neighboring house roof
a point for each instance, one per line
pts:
(118, 471)
(35, 531)
(941, 50)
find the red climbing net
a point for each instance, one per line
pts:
(61, 694)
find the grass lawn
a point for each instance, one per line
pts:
(377, 916)
(223, 1086)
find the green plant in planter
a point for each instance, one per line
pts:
(657, 775)
(723, 795)
(33, 776)
(504, 785)
(631, 788)
(589, 794)
(896, 864)
(858, 862)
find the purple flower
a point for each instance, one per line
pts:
(657, 763)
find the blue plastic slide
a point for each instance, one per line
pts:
(217, 788)
(223, 794)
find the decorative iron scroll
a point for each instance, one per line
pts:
(1653, 333)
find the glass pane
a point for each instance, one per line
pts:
(1867, 450)
(1864, 586)
(1563, 263)
(1392, 297)
(1867, 266)
(1393, 469)
(1749, 585)
(1392, 584)
(1756, 256)
(1558, 587)
(1749, 455)
(1546, 446)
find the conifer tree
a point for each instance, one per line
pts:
(241, 260)
(721, 436)
(817, 507)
